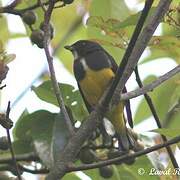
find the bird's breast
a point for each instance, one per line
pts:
(94, 83)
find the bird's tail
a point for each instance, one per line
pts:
(126, 140)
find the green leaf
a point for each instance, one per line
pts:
(168, 132)
(43, 132)
(23, 146)
(164, 46)
(71, 176)
(4, 31)
(72, 98)
(36, 128)
(132, 19)
(161, 98)
(107, 26)
(111, 9)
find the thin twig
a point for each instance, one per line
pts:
(42, 5)
(112, 93)
(156, 117)
(22, 157)
(56, 88)
(19, 12)
(123, 157)
(169, 117)
(152, 85)
(10, 145)
(141, 44)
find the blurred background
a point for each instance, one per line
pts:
(72, 23)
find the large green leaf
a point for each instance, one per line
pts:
(22, 146)
(72, 98)
(111, 9)
(36, 129)
(168, 132)
(162, 99)
(43, 132)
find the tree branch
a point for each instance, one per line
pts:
(111, 92)
(152, 85)
(157, 119)
(55, 85)
(22, 157)
(123, 157)
(10, 9)
(140, 46)
(10, 145)
(75, 142)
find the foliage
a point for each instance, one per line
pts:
(110, 23)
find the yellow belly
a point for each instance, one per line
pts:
(95, 83)
(93, 86)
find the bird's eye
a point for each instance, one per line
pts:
(83, 43)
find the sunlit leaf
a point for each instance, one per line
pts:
(72, 98)
(70, 176)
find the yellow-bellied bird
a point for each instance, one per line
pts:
(94, 69)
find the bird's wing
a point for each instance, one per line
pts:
(88, 106)
(127, 102)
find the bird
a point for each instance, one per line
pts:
(94, 70)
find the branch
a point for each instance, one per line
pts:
(140, 46)
(123, 157)
(10, 145)
(111, 92)
(22, 157)
(34, 171)
(157, 119)
(55, 85)
(75, 143)
(152, 85)
(10, 9)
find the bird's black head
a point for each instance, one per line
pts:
(83, 47)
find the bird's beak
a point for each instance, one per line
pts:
(70, 48)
